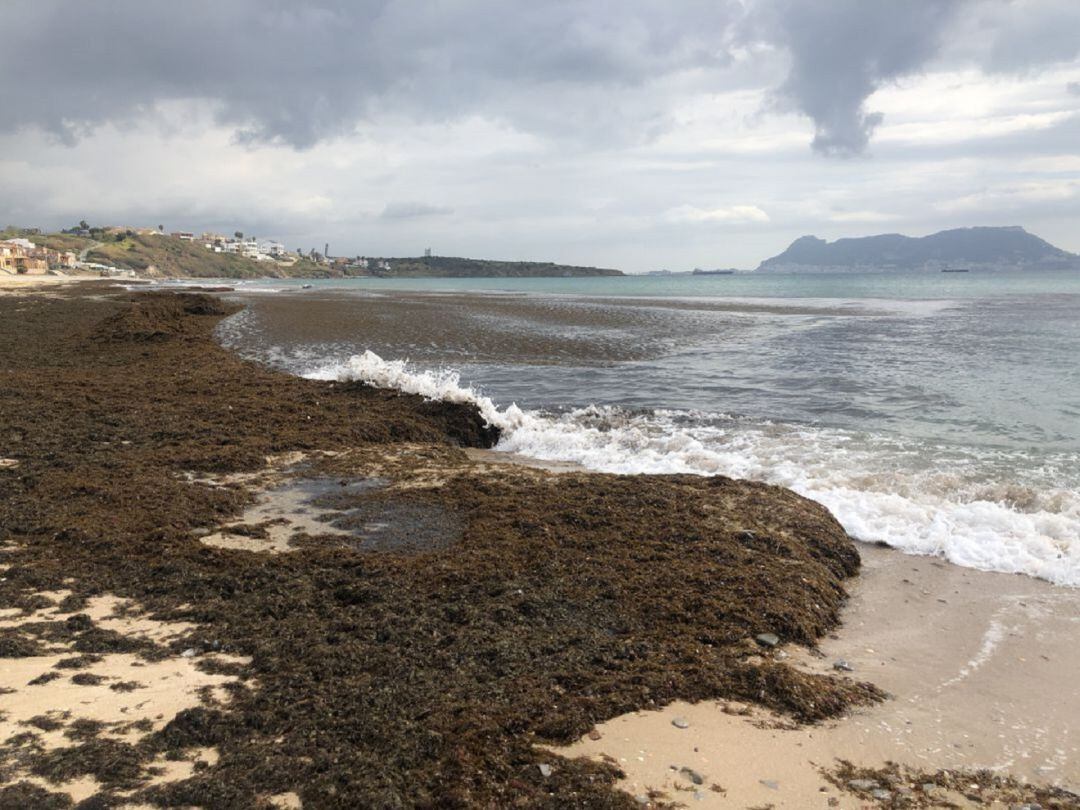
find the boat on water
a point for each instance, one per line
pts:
(714, 272)
(955, 270)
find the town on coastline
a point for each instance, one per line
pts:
(126, 252)
(86, 249)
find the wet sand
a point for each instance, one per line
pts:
(21, 284)
(980, 668)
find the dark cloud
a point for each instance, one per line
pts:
(843, 50)
(603, 72)
(299, 73)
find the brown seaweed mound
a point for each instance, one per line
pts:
(386, 678)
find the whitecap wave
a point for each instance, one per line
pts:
(995, 511)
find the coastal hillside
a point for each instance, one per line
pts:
(457, 267)
(161, 256)
(148, 253)
(51, 241)
(1011, 248)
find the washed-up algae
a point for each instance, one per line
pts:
(406, 674)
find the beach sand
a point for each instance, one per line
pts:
(981, 672)
(10, 284)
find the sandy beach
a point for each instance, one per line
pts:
(980, 669)
(15, 283)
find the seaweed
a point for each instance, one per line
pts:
(82, 729)
(109, 761)
(78, 661)
(126, 686)
(24, 795)
(87, 679)
(44, 678)
(15, 644)
(45, 722)
(503, 609)
(900, 786)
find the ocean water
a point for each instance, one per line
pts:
(937, 413)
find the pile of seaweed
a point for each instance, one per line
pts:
(898, 786)
(404, 677)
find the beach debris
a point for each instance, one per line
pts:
(680, 722)
(747, 536)
(863, 784)
(767, 639)
(545, 769)
(692, 775)
(188, 653)
(8, 463)
(881, 794)
(595, 735)
(771, 784)
(843, 666)
(641, 799)
(367, 619)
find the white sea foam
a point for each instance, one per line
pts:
(990, 511)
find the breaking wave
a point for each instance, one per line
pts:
(993, 510)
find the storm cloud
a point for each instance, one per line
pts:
(844, 50)
(614, 132)
(281, 71)
(601, 71)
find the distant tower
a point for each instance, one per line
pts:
(427, 253)
(326, 250)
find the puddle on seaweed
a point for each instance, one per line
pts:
(289, 516)
(400, 525)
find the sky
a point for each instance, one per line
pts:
(636, 134)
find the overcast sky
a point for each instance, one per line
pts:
(634, 134)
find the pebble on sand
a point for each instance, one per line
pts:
(767, 639)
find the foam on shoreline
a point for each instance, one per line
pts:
(974, 510)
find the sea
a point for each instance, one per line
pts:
(936, 413)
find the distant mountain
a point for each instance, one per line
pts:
(986, 249)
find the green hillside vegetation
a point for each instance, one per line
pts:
(456, 267)
(169, 257)
(53, 241)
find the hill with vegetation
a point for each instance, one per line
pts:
(54, 241)
(1010, 248)
(457, 267)
(161, 256)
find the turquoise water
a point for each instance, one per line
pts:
(742, 285)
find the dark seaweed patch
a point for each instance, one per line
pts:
(78, 661)
(87, 679)
(15, 644)
(538, 607)
(109, 761)
(26, 795)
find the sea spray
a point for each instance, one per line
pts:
(972, 512)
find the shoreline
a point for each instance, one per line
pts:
(959, 651)
(311, 542)
(17, 284)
